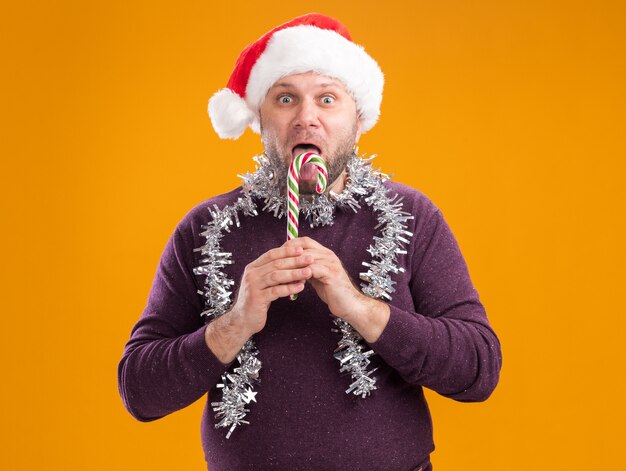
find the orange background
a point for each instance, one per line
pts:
(510, 116)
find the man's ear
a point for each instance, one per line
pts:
(358, 128)
(256, 124)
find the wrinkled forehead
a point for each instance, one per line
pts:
(308, 81)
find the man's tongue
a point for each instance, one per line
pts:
(307, 171)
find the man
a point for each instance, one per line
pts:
(378, 275)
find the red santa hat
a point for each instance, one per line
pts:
(307, 43)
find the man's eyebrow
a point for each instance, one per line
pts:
(283, 84)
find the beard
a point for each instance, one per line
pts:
(280, 161)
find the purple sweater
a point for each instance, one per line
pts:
(437, 337)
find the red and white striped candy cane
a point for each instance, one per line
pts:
(293, 190)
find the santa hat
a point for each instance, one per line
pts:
(307, 43)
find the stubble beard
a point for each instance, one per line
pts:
(335, 164)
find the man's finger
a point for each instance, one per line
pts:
(304, 242)
(281, 277)
(288, 263)
(322, 272)
(280, 291)
(277, 253)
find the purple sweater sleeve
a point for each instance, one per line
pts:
(166, 364)
(447, 345)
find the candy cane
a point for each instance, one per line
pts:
(293, 191)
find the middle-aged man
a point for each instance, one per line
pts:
(331, 380)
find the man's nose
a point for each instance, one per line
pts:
(306, 114)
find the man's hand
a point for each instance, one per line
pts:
(279, 272)
(335, 287)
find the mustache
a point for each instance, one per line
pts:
(306, 135)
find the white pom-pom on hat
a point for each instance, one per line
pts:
(229, 114)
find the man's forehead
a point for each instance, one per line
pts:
(313, 79)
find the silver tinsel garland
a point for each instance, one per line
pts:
(363, 181)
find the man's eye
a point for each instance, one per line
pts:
(328, 100)
(285, 99)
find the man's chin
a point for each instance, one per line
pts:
(307, 189)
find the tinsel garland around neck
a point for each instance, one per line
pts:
(363, 182)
